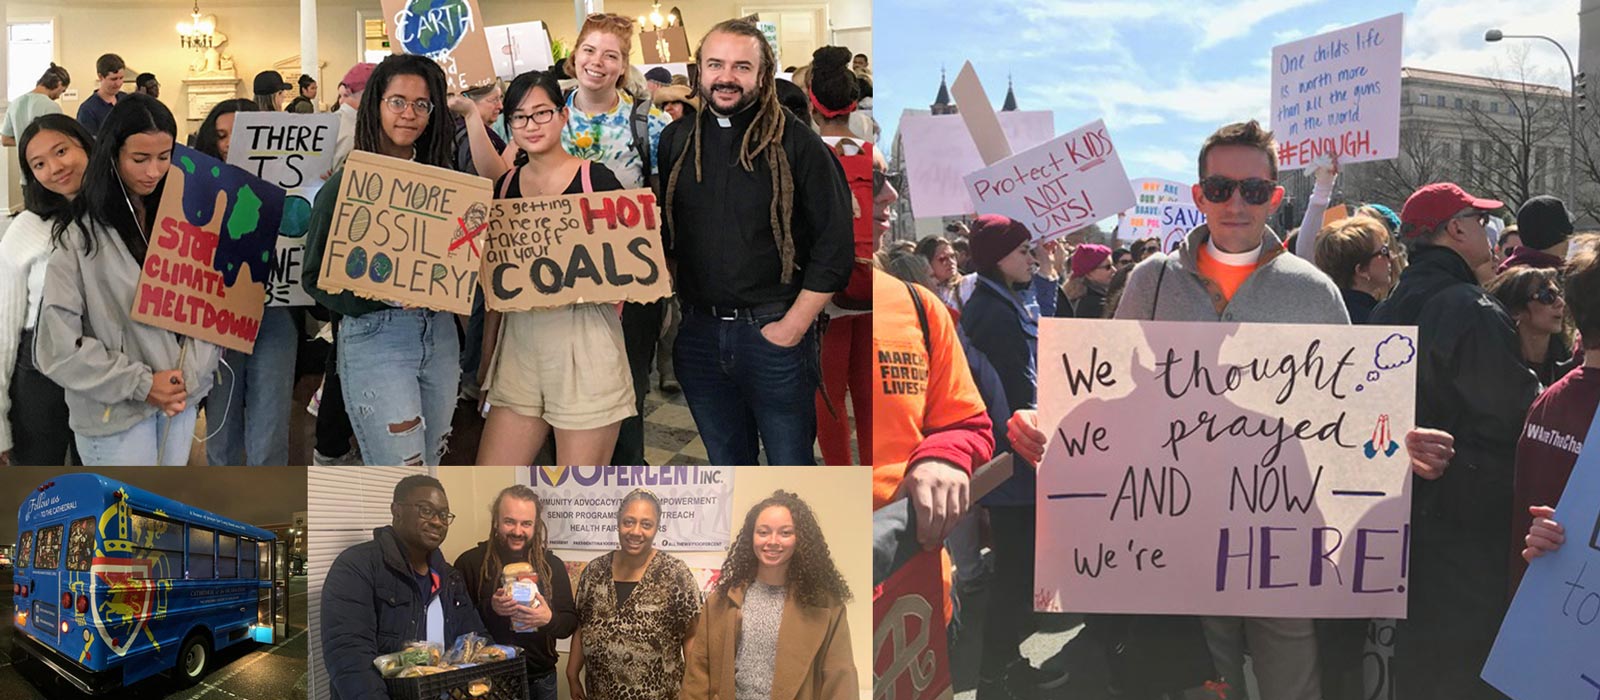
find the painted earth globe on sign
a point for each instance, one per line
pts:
(432, 26)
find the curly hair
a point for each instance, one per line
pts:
(817, 582)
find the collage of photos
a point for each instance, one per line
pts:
(1123, 351)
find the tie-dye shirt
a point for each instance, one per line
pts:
(607, 138)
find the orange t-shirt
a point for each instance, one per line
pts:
(1228, 277)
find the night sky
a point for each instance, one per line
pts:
(253, 495)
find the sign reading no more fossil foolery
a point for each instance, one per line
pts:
(1224, 469)
(553, 251)
(406, 233)
(1058, 187)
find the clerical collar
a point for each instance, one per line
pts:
(741, 118)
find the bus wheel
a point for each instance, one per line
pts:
(193, 657)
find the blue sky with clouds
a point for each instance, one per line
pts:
(1165, 73)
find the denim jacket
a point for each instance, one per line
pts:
(371, 606)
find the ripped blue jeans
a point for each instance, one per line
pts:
(400, 371)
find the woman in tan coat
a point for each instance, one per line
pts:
(775, 627)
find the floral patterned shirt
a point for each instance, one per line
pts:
(607, 138)
(634, 651)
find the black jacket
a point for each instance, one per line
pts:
(1472, 383)
(371, 606)
(1092, 304)
(540, 646)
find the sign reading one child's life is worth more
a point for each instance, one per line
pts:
(1547, 647)
(451, 32)
(294, 152)
(1224, 469)
(1338, 94)
(552, 251)
(210, 252)
(1058, 187)
(406, 233)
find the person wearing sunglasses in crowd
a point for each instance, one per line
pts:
(1234, 268)
(1355, 254)
(393, 589)
(1092, 269)
(1532, 295)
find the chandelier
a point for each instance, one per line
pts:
(196, 33)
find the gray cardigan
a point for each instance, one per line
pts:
(86, 342)
(1284, 289)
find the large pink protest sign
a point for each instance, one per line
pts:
(938, 151)
(1338, 94)
(1224, 469)
(1058, 187)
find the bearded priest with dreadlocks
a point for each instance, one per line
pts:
(517, 541)
(757, 218)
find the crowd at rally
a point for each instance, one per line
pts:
(764, 185)
(637, 622)
(1508, 381)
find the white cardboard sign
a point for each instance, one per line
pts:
(1338, 94)
(1058, 187)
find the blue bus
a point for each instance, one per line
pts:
(113, 584)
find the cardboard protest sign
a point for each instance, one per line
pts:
(293, 152)
(982, 121)
(1224, 469)
(1338, 94)
(519, 48)
(1177, 220)
(938, 151)
(406, 233)
(1058, 187)
(553, 251)
(1547, 644)
(909, 657)
(1149, 193)
(447, 31)
(210, 254)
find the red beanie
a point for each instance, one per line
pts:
(994, 237)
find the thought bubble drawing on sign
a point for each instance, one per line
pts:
(1392, 353)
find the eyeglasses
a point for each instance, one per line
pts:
(1106, 266)
(1383, 252)
(1481, 216)
(398, 105)
(1547, 296)
(1256, 191)
(880, 179)
(427, 512)
(541, 116)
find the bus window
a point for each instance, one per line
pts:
(164, 539)
(263, 567)
(80, 544)
(26, 548)
(48, 555)
(227, 556)
(202, 561)
(247, 558)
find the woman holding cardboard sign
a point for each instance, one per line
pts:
(566, 367)
(124, 403)
(399, 365)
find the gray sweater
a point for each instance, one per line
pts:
(86, 342)
(1284, 289)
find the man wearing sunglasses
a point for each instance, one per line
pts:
(1471, 381)
(394, 589)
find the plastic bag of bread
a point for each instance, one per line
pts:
(422, 654)
(419, 671)
(465, 649)
(495, 652)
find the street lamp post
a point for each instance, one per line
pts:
(1575, 78)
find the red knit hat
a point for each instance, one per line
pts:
(994, 237)
(1087, 257)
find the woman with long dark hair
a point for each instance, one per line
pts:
(775, 627)
(561, 369)
(33, 410)
(636, 611)
(399, 365)
(248, 414)
(128, 398)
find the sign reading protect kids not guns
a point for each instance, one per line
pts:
(406, 233)
(553, 251)
(1338, 94)
(1057, 187)
(448, 31)
(1224, 469)
(1547, 645)
(292, 151)
(210, 254)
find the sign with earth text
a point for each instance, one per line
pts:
(553, 251)
(1224, 469)
(447, 31)
(294, 152)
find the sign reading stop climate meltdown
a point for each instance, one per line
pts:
(210, 254)
(1224, 469)
(553, 251)
(1057, 187)
(406, 233)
